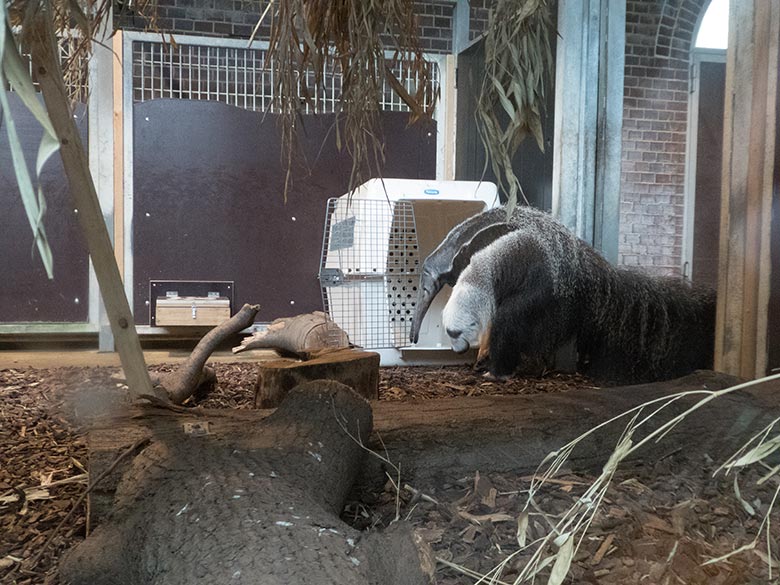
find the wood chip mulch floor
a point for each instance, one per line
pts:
(658, 524)
(43, 454)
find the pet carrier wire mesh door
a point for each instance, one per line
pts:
(369, 270)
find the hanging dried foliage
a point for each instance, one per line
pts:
(308, 37)
(518, 66)
(362, 43)
(75, 24)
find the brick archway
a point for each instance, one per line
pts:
(659, 34)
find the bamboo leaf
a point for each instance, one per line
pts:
(743, 502)
(542, 564)
(746, 547)
(82, 22)
(14, 71)
(562, 562)
(522, 528)
(518, 66)
(759, 452)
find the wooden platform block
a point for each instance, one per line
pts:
(357, 369)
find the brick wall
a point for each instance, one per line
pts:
(435, 20)
(221, 18)
(237, 18)
(655, 116)
(478, 17)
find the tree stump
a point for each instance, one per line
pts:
(259, 506)
(357, 369)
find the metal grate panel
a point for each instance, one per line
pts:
(243, 77)
(77, 83)
(370, 270)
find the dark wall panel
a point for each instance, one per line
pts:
(26, 293)
(533, 167)
(709, 155)
(209, 199)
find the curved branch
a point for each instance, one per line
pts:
(181, 383)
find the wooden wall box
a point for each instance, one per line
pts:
(183, 311)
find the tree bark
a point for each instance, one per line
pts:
(46, 64)
(260, 505)
(183, 382)
(441, 440)
(301, 335)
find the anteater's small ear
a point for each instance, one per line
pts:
(482, 239)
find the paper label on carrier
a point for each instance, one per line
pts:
(342, 234)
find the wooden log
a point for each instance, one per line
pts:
(199, 509)
(443, 439)
(357, 369)
(298, 336)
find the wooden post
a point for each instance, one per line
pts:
(748, 164)
(47, 72)
(119, 154)
(101, 158)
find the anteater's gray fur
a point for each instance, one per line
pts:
(540, 286)
(441, 267)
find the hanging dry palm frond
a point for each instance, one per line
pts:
(309, 36)
(518, 66)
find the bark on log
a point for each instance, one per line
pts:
(357, 369)
(441, 440)
(191, 375)
(257, 506)
(300, 336)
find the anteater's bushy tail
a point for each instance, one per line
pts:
(638, 328)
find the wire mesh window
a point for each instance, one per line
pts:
(243, 77)
(370, 270)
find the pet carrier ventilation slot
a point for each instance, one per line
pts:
(374, 245)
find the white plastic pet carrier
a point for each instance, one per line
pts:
(374, 245)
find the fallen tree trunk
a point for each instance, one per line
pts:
(439, 440)
(258, 506)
